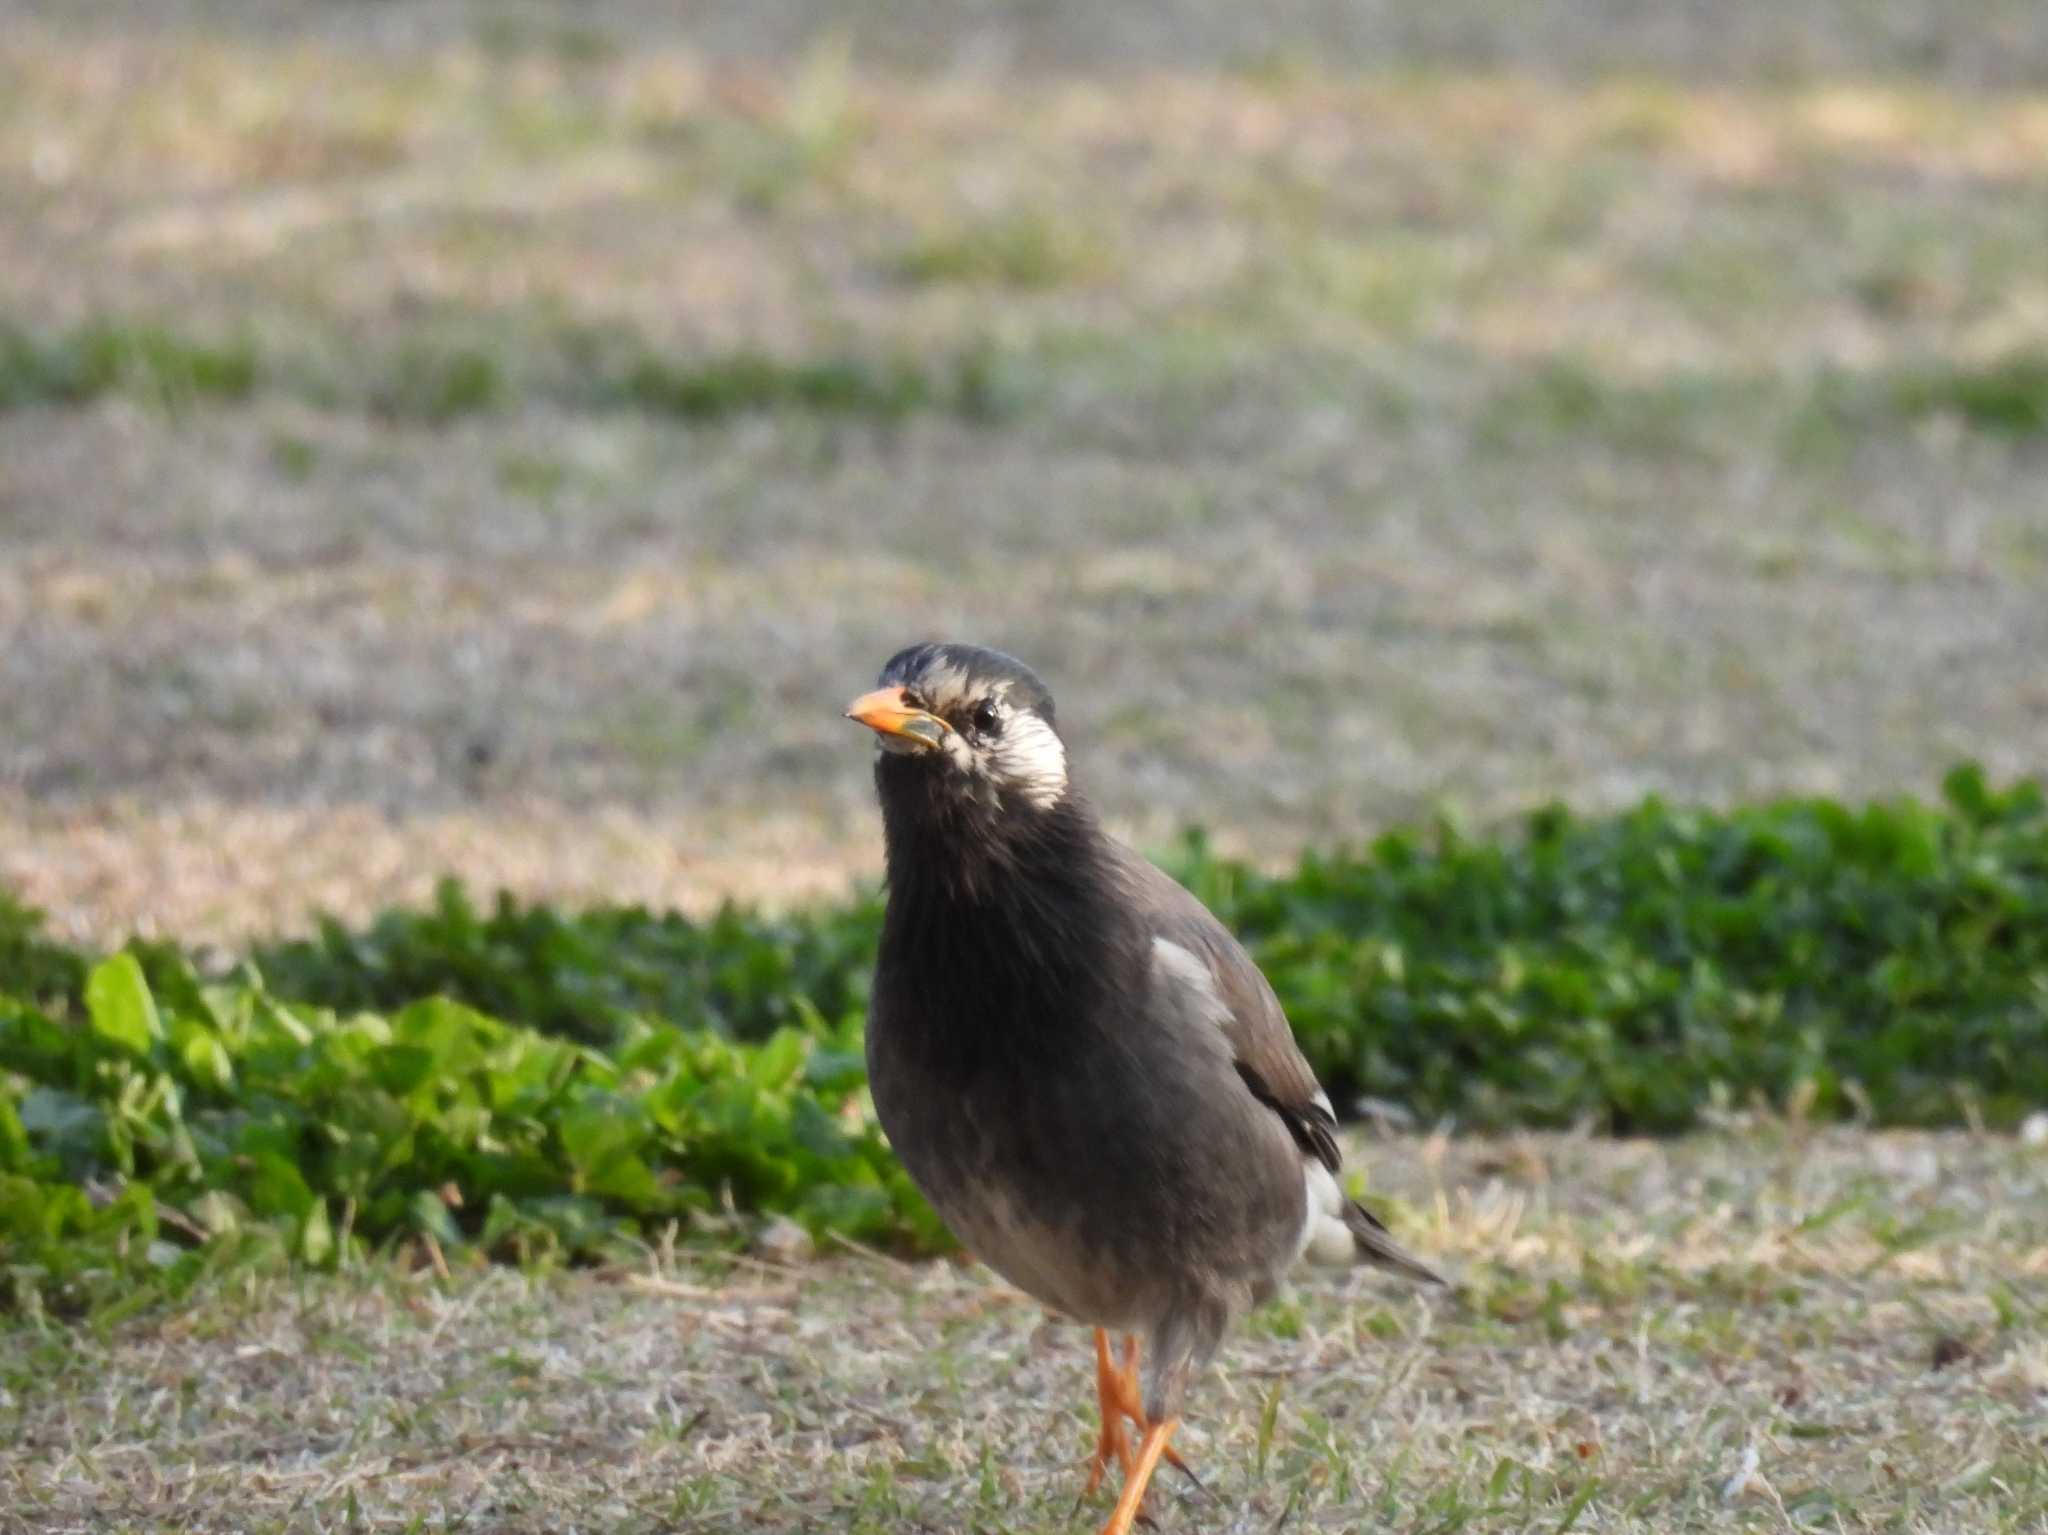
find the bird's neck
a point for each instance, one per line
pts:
(1032, 866)
(1006, 915)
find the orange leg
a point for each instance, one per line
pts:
(1111, 1443)
(1118, 1397)
(1149, 1452)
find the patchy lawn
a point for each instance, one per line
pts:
(493, 438)
(486, 437)
(1771, 1328)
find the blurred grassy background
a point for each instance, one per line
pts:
(495, 437)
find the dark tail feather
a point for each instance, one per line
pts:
(1377, 1245)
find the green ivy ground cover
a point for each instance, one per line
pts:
(520, 1081)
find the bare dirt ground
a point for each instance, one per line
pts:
(1766, 1330)
(1363, 409)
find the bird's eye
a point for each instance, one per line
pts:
(986, 720)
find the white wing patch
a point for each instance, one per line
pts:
(1193, 1006)
(1324, 1236)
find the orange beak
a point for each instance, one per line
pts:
(885, 712)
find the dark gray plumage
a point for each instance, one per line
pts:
(1078, 1064)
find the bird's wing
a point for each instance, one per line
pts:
(1262, 1046)
(1223, 989)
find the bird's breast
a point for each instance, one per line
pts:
(1007, 1169)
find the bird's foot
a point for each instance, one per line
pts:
(1118, 1398)
(1130, 1400)
(1153, 1448)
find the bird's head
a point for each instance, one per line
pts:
(965, 729)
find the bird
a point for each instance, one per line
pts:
(1079, 1066)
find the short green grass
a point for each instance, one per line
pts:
(436, 383)
(1027, 249)
(1770, 1328)
(150, 362)
(2008, 396)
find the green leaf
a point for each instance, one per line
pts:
(600, 1129)
(204, 1056)
(316, 1235)
(816, 1131)
(13, 1137)
(1576, 1507)
(430, 1214)
(275, 1186)
(117, 1000)
(1269, 1421)
(835, 1071)
(582, 1076)
(66, 1124)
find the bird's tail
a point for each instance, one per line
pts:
(1376, 1245)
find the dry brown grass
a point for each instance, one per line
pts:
(1769, 1329)
(1478, 406)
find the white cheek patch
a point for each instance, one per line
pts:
(1030, 761)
